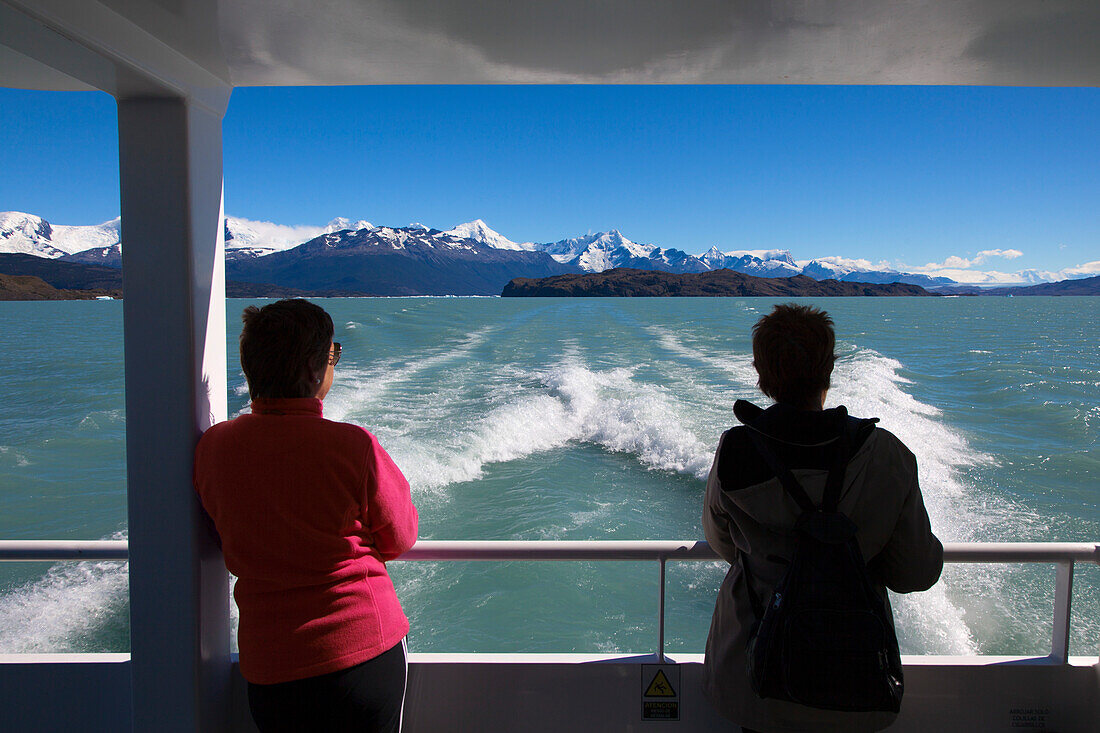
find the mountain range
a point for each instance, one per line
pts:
(355, 257)
(388, 261)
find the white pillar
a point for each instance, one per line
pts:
(170, 153)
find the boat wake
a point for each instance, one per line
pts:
(448, 417)
(74, 607)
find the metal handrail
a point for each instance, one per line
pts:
(62, 550)
(444, 550)
(1062, 554)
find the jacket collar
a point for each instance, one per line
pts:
(791, 425)
(287, 406)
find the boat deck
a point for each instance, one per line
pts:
(574, 692)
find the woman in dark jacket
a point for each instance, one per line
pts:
(749, 519)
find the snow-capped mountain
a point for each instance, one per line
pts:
(847, 270)
(29, 234)
(250, 240)
(408, 260)
(595, 252)
(590, 253)
(479, 231)
(759, 262)
(340, 223)
(106, 256)
(247, 239)
(1036, 277)
(606, 250)
(101, 243)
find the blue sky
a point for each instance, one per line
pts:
(911, 176)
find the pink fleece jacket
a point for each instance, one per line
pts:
(309, 511)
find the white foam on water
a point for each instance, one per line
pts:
(931, 623)
(626, 416)
(736, 365)
(240, 389)
(100, 419)
(63, 610)
(11, 454)
(870, 385)
(356, 388)
(592, 517)
(1089, 417)
(234, 615)
(66, 609)
(530, 411)
(572, 403)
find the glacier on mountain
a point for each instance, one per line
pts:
(29, 234)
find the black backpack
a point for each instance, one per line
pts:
(826, 638)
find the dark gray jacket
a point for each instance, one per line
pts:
(747, 516)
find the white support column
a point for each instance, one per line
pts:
(1063, 598)
(170, 152)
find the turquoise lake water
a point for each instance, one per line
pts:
(593, 419)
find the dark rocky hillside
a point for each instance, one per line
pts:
(626, 282)
(62, 275)
(29, 287)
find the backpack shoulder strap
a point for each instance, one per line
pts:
(835, 480)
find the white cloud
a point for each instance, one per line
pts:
(961, 269)
(248, 233)
(956, 262)
(953, 261)
(251, 233)
(1008, 254)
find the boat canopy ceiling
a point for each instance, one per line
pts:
(120, 45)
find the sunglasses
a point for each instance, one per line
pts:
(334, 357)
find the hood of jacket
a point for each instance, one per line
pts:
(798, 432)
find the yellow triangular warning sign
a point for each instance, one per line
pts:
(660, 686)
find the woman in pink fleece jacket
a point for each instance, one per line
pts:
(308, 511)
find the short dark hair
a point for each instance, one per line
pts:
(284, 346)
(792, 350)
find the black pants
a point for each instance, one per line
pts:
(366, 698)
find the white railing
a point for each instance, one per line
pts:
(1063, 555)
(61, 550)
